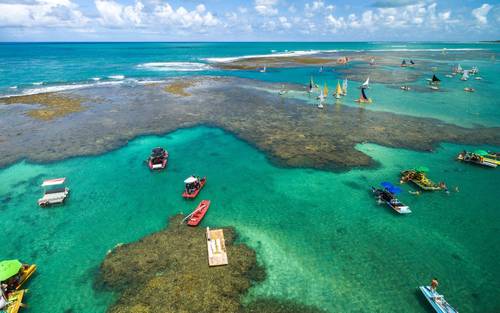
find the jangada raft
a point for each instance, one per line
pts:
(479, 157)
(54, 192)
(419, 178)
(158, 159)
(193, 186)
(388, 196)
(198, 214)
(436, 300)
(363, 98)
(14, 302)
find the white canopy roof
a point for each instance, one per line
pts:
(190, 180)
(55, 181)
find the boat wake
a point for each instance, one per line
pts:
(175, 66)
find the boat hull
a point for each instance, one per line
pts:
(438, 306)
(199, 213)
(26, 274)
(16, 300)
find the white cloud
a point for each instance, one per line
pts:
(266, 7)
(196, 19)
(42, 13)
(317, 7)
(481, 14)
(114, 14)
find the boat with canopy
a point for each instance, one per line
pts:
(193, 185)
(387, 195)
(437, 301)
(55, 192)
(14, 274)
(158, 159)
(479, 157)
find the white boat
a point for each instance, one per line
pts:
(437, 301)
(459, 69)
(474, 70)
(264, 69)
(478, 78)
(469, 89)
(405, 88)
(449, 75)
(321, 98)
(465, 76)
(54, 192)
(366, 84)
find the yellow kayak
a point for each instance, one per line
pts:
(16, 299)
(26, 273)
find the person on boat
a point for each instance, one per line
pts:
(434, 284)
(3, 300)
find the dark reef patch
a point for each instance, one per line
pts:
(290, 132)
(168, 272)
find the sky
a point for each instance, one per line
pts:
(251, 20)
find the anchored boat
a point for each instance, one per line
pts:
(14, 301)
(158, 159)
(437, 301)
(479, 157)
(198, 214)
(193, 186)
(14, 274)
(419, 178)
(363, 98)
(338, 91)
(55, 192)
(388, 196)
(403, 64)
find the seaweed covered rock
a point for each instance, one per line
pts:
(168, 272)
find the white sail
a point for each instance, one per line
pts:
(344, 86)
(366, 83)
(465, 75)
(459, 68)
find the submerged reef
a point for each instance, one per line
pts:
(168, 272)
(53, 105)
(290, 131)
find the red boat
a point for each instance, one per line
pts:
(198, 214)
(193, 186)
(158, 159)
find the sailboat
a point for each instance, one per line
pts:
(338, 91)
(372, 61)
(412, 63)
(434, 82)
(321, 98)
(344, 87)
(465, 75)
(459, 69)
(325, 90)
(403, 64)
(264, 69)
(366, 84)
(282, 90)
(363, 98)
(311, 85)
(321, 69)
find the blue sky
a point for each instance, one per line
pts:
(252, 20)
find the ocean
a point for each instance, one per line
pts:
(321, 236)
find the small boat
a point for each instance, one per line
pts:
(436, 300)
(197, 215)
(264, 69)
(459, 69)
(363, 98)
(478, 78)
(282, 91)
(321, 98)
(479, 157)
(372, 61)
(412, 63)
(54, 192)
(193, 186)
(321, 69)
(403, 64)
(366, 84)
(469, 89)
(14, 301)
(405, 88)
(434, 87)
(419, 178)
(465, 75)
(158, 159)
(15, 274)
(434, 82)
(344, 87)
(311, 86)
(338, 91)
(474, 70)
(449, 75)
(388, 196)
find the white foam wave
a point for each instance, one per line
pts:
(38, 83)
(116, 76)
(278, 54)
(175, 66)
(13, 87)
(96, 79)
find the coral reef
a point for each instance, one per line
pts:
(53, 105)
(289, 131)
(178, 88)
(168, 272)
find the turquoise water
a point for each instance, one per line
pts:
(322, 237)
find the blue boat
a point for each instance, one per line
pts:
(437, 301)
(388, 196)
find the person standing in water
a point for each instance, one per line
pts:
(434, 284)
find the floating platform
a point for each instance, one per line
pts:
(216, 246)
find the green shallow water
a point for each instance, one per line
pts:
(321, 236)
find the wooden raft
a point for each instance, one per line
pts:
(216, 246)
